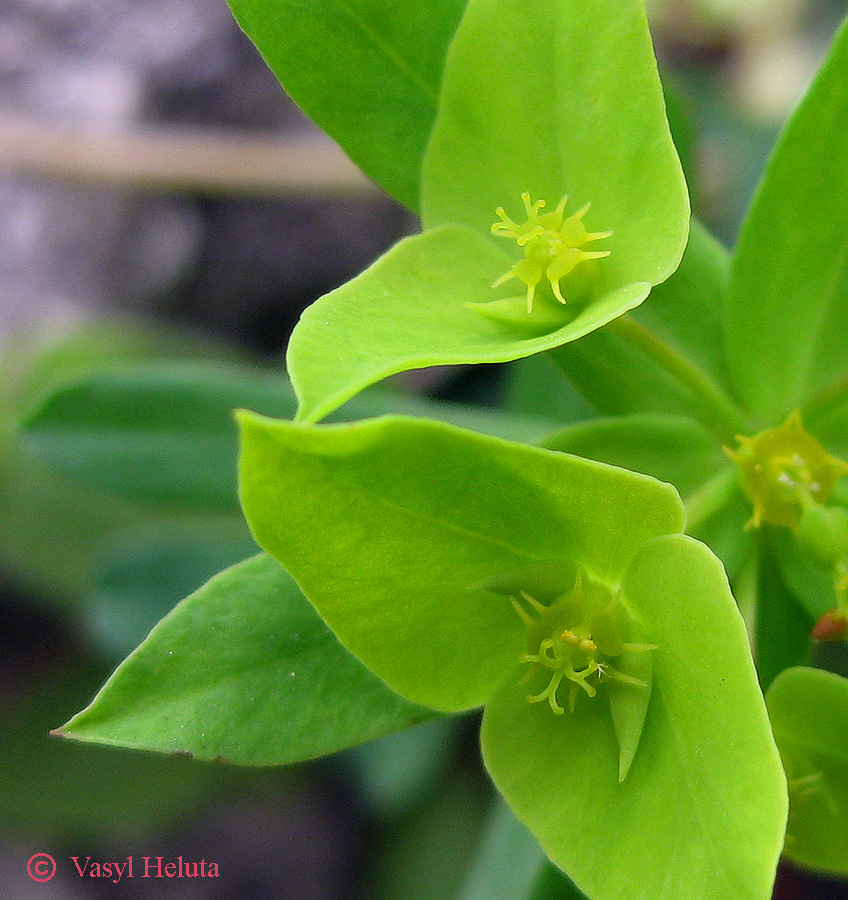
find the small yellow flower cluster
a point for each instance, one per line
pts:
(551, 243)
(784, 470)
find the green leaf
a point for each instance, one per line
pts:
(560, 98)
(35, 365)
(787, 316)
(413, 515)
(162, 433)
(409, 310)
(812, 584)
(394, 774)
(702, 810)
(136, 430)
(783, 625)
(809, 714)
(670, 448)
(685, 312)
(367, 71)
(52, 532)
(536, 386)
(243, 670)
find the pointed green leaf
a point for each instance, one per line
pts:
(367, 71)
(243, 670)
(560, 98)
(389, 526)
(670, 448)
(787, 316)
(703, 808)
(809, 714)
(409, 310)
(629, 706)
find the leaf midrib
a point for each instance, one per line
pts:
(352, 487)
(390, 53)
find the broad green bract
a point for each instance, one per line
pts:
(551, 99)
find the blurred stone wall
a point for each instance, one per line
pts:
(240, 266)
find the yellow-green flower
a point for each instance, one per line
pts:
(783, 469)
(552, 245)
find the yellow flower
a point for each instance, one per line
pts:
(552, 245)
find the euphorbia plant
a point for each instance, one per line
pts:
(443, 570)
(546, 102)
(636, 655)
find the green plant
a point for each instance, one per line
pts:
(444, 569)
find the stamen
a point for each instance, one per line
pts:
(549, 693)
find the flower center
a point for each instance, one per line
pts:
(552, 245)
(576, 640)
(785, 470)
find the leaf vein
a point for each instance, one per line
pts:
(426, 89)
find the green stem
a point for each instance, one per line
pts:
(826, 400)
(720, 411)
